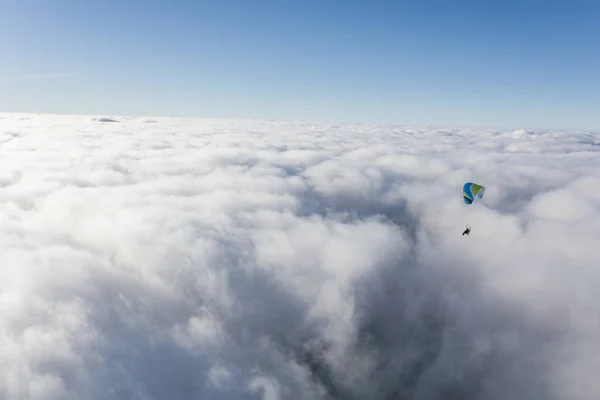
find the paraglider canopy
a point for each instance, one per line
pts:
(471, 191)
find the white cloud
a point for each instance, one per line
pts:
(252, 259)
(268, 387)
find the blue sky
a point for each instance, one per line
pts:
(505, 63)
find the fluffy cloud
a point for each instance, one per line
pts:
(173, 258)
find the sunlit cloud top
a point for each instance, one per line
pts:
(162, 258)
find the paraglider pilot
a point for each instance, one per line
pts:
(467, 231)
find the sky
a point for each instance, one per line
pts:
(178, 258)
(467, 63)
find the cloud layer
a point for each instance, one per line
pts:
(199, 259)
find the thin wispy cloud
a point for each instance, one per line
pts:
(177, 258)
(43, 75)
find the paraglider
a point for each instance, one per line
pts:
(471, 192)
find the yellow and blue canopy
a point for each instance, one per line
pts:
(471, 191)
